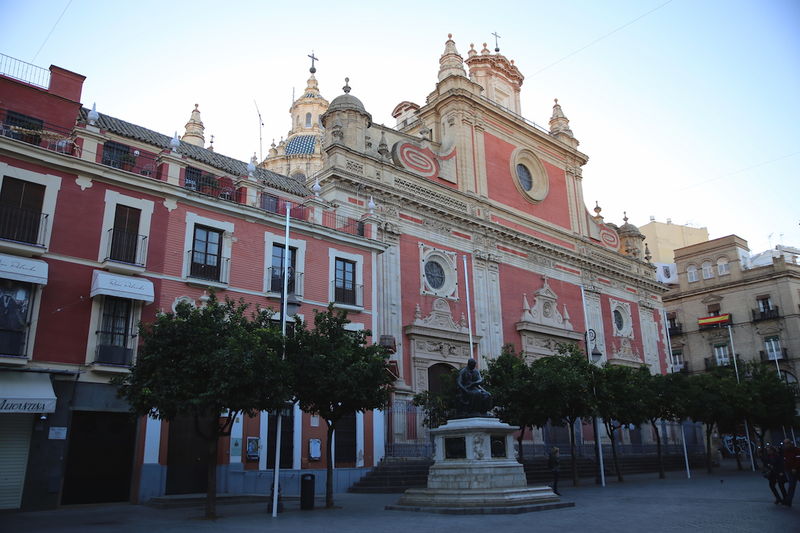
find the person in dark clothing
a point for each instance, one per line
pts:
(773, 463)
(553, 463)
(791, 465)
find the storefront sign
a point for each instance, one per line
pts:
(23, 269)
(131, 287)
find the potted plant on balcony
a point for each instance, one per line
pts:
(127, 161)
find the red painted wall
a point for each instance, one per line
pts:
(58, 112)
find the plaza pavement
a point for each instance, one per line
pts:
(726, 501)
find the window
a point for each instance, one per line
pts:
(191, 178)
(708, 272)
(764, 304)
(345, 282)
(308, 120)
(691, 273)
(22, 127)
(524, 177)
(529, 174)
(125, 234)
(713, 309)
(15, 306)
(772, 345)
(672, 320)
(21, 215)
(276, 283)
(117, 155)
(114, 336)
(619, 320)
(721, 354)
(434, 274)
(206, 253)
(438, 272)
(678, 362)
(723, 267)
(269, 203)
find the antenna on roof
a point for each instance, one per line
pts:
(260, 127)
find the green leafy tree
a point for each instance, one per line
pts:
(438, 406)
(564, 389)
(770, 403)
(619, 391)
(659, 395)
(210, 363)
(337, 374)
(510, 381)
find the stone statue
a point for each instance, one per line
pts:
(473, 399)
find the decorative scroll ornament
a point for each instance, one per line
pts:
(418, 160)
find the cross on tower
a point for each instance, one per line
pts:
(496, 47)
(313, 58)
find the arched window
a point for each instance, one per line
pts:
(308, 120)
(723, 267)
(708, 272)
(691, 273)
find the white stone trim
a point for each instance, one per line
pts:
(112, 199)
(271, 239)
(227, 228)
(52, 185)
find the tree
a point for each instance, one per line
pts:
(619, 389)
(770, 400)
(659, 399)
(564, 388)
(438, 406)
(509, 379)
(337, 374)
(210, 363)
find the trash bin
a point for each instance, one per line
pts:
(307, 492)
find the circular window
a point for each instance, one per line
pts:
(434, 274)
(619, 320)
(524, 177)
(531, 177)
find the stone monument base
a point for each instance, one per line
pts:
(475, 471)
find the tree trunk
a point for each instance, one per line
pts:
(709, 430)
(329, 476)
(611, 430)
(658, 450)
(572, 454)
(211, 477)
(519, 442)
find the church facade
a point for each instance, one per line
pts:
(460, 230)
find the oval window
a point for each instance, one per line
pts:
(434, 275)
(619, 321)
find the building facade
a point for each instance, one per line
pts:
(459, 230)
(726, 304)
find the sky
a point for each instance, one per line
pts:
(687, 109)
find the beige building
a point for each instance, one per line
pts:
(718, 282)
(663, 238)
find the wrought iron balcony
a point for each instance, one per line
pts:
(768, 314)
(295, 281)
(713, 362)
(22, 225)
(113, 348)
(681, 366)
(344, 224)
(771, 355)
(126, 247)
(675, 329)
(215, 269)
(348, 294)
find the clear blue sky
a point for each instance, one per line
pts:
(688, 109)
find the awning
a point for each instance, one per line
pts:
(129, 287)
(26, 392)
(23, 269)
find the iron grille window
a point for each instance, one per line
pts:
(269, 203)
(276, 283)
(206, 253)
(21, 210)
(15, 305)
(192, 178)
(125, 234)
(22, 127)
(345, 282)
(113, 339)
(116, 155)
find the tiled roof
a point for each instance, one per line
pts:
(226, 164)
(301, 144)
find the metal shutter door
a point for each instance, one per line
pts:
(15, 435)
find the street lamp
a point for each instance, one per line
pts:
(595, 356)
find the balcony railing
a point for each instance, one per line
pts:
(38, 133)
(712, 362)
(12, 342)
(345, 224)
(22, 71)
(348, 294)
(22, 225)
(295, 282)
(680, 366)
(210, 272)
(111, 354)
(675, 329)
(772, 355)
(765, 314)
(126, 247)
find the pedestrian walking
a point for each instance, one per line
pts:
(791, 465)
(774, 472)
(553, 464)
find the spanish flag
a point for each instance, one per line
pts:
(719, 320)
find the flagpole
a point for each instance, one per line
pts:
(469, 306)
(672, 371)
(746, 427)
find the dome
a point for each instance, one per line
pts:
(347, 102)
(628, 229)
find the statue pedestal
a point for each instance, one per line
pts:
(475, 471)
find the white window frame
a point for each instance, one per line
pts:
(299, 245)
(624, 309)
(333, 255)
(95, 322)
(708, 270)
(723, 267)
(33, 321)
(449, 264)
(722, 354)
(691, 273)
(763, 308)
(192, 220)
(113, 199)
(772, 345)
(52, 184)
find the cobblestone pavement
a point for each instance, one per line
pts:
(726, 501)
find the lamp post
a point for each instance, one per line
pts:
(595, 356)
